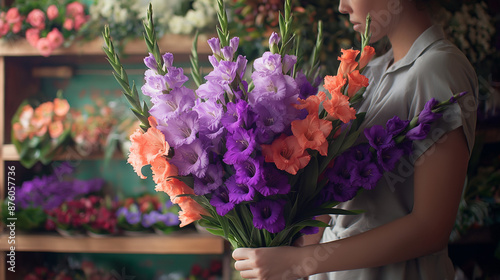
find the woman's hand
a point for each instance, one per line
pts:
(274, 263)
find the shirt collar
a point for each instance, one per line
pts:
(427, 38)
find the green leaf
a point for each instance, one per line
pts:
(188, 180)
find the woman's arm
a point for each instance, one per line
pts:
(439, 178)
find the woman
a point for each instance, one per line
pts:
(404, 230)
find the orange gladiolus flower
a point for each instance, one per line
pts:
(190, 211)
(338, 108)
(146, 147)
(286, 153)
(56, 129)
(311, 133)
(311, 104)
(61, 107)
(162, 169)
(347, 62)
(356, 82)
(174, 187)
(366, 55)
(334, 84)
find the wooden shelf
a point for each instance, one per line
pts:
(176, 44)
(176, 243)
(9, 153)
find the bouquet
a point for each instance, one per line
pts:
(256, 160)
(45, 24)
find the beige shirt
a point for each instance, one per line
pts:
(433, 67)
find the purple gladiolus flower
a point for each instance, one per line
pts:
(239, 192)
(388, 157)
(181, 130)
(419, 132)
(241, 63)
(366, 175)
(378, 137)
(168, 106)
(150, 62)
(359, 154)
(275, 182)
(270, 121)
(220, 200)
(223, 74)
(341, 172)
(426, 115)
(306, 89)
(250, 172)
(240, 145)
(339, 192)
(191, 159)
(214, 44)
(267, 214)
(273, 87)
(395, 125)
(238, 115)
(211, 181)
(155, 85)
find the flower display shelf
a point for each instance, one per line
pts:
(175, 243)
(170, 42)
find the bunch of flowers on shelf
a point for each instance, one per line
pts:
(46, 25)
(38, 132)
(146, 213)
(212, 272)
(41, 194)
(70, 268)
(93, 215)
(125, 17)
(91, 127)
(256, 159)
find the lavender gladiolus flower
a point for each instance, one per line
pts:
(220, 200)
(181, 130)
(395, 125)
(214, 44)
(288, 62)
(209, 117)
(191, 159)
(155, 85)
(211, 181)
(168, 60)
(168, 106)
(378, 137)
(427, 115)
(274, 39)
(419, 132)
(150, 62)
(175, 77)
(239, 192)
(267, 214)
(223, 74)
(211, 91)
(267, 65)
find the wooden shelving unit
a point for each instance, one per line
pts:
(176, 243)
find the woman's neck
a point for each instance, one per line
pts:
(412, 23)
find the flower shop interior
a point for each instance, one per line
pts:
(73, 207)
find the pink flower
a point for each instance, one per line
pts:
(52, 12)
(13, 16)
(44, 47)
(68, 24)
(36, 18)
(32, 36)
(74, 9)
(55, 38)
(79, 21)
(4, 27)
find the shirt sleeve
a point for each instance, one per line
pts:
(441, 74)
